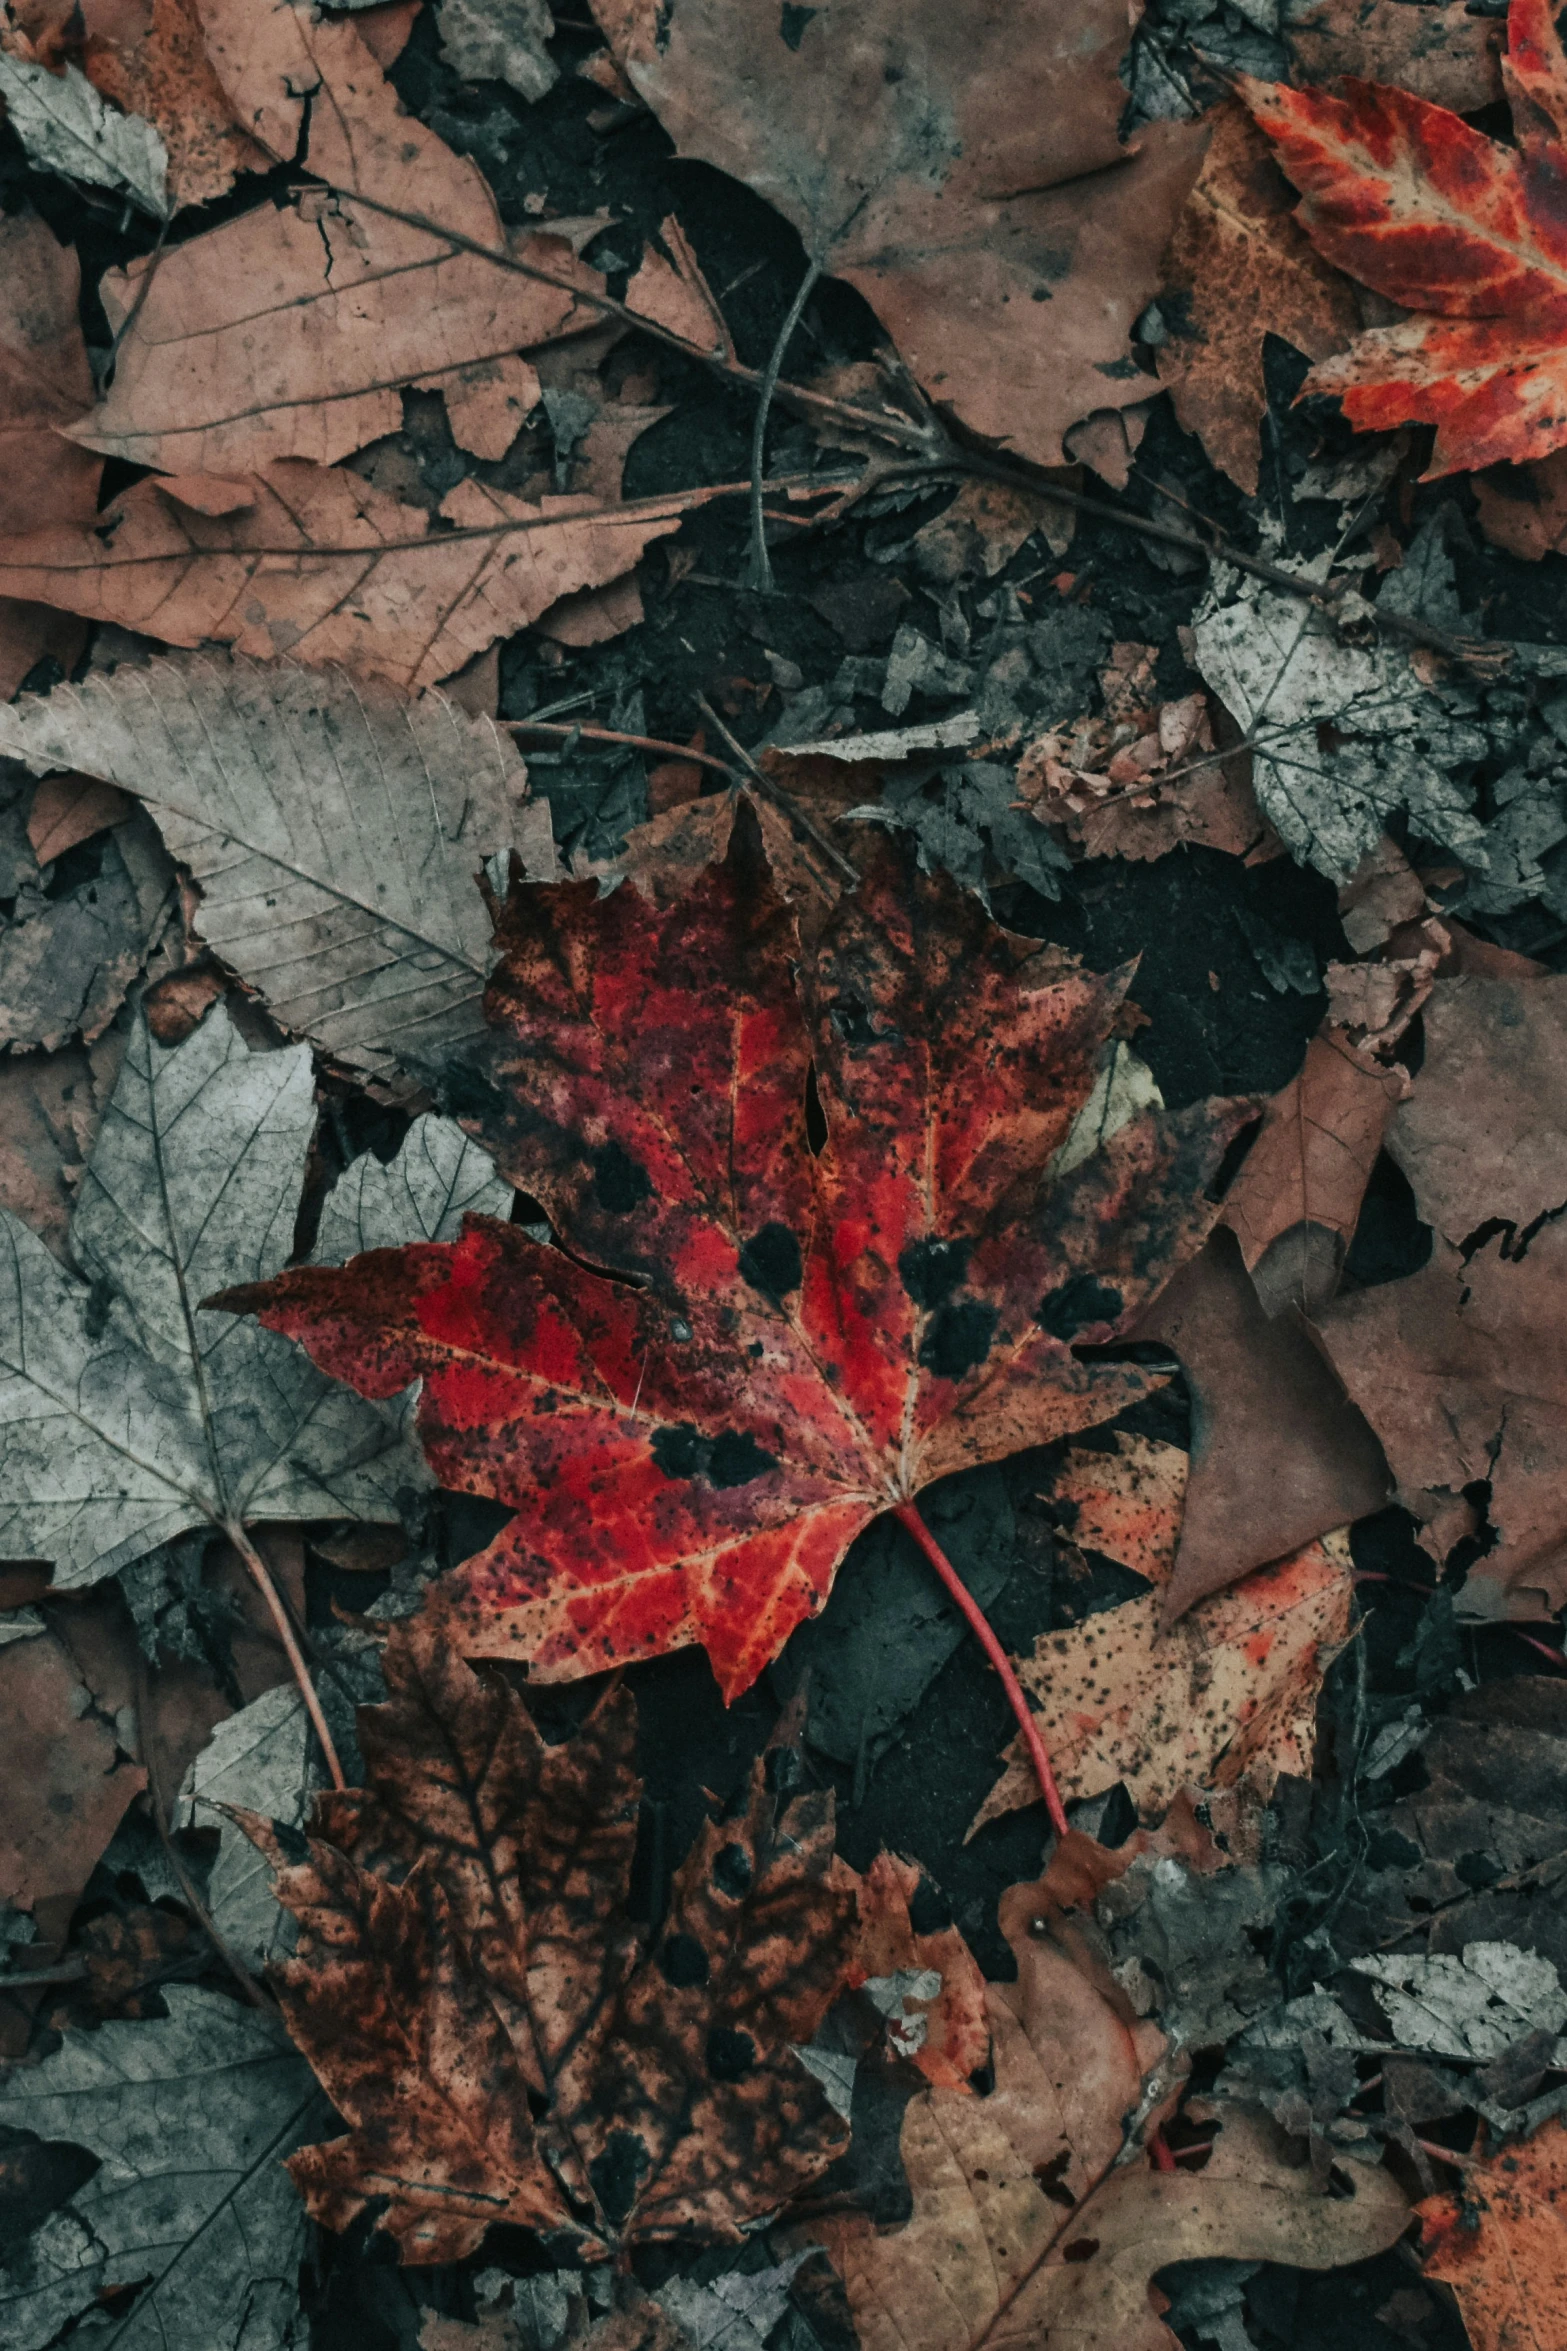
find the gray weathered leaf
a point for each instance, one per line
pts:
(259, 1759)
(1345, 735)
(66, 960)
(737, 2311)
(437, 1178)
(67, 127)
(335, 825)
(1473, 2006)
(127, 1414)
(190, 2115)
(500, 40)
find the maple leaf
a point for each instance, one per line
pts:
(1501, 2244)
(989, 2254)
(1410, 200)
(505, 2045)
(795, 1340)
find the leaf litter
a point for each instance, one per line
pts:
(1183, 847)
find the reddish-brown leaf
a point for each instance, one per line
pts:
(1430, 212)
(793, 1341)
(502, 2041)
(1501, 2244)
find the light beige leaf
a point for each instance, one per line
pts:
(334, 827)
(323, 566)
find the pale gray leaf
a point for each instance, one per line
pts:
(127, 1413)
(261, 1760)
(502, 41)
(734, 2312)
(1346, 736)
(65, 126)
(335, 826)
(190, 2115)
(1473, 2006)
(19, 1624)
(437, 1178)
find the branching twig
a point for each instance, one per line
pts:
(783, 801)
(541, 726)
(761, 563)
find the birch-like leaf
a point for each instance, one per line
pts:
(437, 1178)
(335, 826)
(190, 2115)
(127, 1414)
(65, 126)
(261, 1759)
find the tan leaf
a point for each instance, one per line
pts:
(45, 382)
(50, 1105)
(71, 808)
(65, 1785)
(323, 566)
(1296, 1201)
(286, 332)
(963, 169)
(989, 2255)
(1245, 271)
(669, 289)
(1441, 52)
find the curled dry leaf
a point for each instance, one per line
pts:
(991, 2255)
(941, 2020)
(1134, 783)
(1500, 2242)
(318, 564)
(240, 348)
(1245, 271)
(45, 382)
(813, 1338)
(498, 2035)
(1463, 231)
(964, 172)
(1229, 1693)
(334, 826)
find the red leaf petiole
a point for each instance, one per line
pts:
(908, 1514)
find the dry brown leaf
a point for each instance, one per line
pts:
(1484, 1133)
(946, 2033)
(71, 808)
(1134, 783)
(500, 2039)
(1296, 1201)
(669, 289)
(990, 2256)
(65, 1784)
(1523, 508)
(1240, 269)
(50, 1105)
(961, 168)
(1229, 1693)
(979, 531)
(1500, 2242)
(1280, 1454)
(1382, 892)
(45, 383)
(1372, 1004)
(1441, 51)
(324, 567)
(244, 348)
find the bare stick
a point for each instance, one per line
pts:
(761, 561)
(908, 1514)
(261, 1576)
(781, 799)
(540, 726)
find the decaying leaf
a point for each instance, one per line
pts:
(259, 1759)
(50, 1105)
(1460, 1367)
(334, 826)
(317, 564)
(502, 2042)
(926, 1982)
(127, 1415)
(1441, 51)
(966, 175)
(500, 40)
(1456, 227)
(65, 1784)
(188, 2115)
(68, 956)
(67, 127)
(1467, 2005)
(45, 382)
(240, 348)
(1280, 1454)
(437, 1178)
(1500, 2242)
(1238, 269)
(815, 1337)
(990, 2254)
(1229, 1693)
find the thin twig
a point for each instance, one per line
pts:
(783, 801)
(541, 726)
(261, 1576)
(761, 561)
(907, 1514)
(198, 1909)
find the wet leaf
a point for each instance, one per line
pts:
(503, 2042)
(813, 1338)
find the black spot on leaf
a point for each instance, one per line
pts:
(1082, 1300)
(732, 1458)
(932, 1270)
(616, 2174)
(958, 1338)
(792, 21)
(771, 1262)
(732, 1871)
(683, 1962)
(619, 1183)
(730, 2055)
(930, 1912)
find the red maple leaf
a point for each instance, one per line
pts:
(795, 1330)
(1408, 199)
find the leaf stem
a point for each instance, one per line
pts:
(761, 562)
(908, 1514)
(261, 1576)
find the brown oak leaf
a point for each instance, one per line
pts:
(503, 2041)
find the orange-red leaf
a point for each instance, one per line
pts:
(793, 1341)
(1409, 199)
